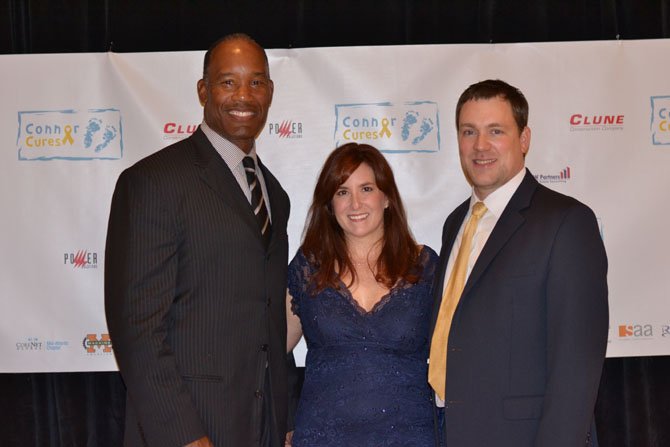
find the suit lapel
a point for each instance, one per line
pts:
(216, 174)
(277, 211)
(508, 223)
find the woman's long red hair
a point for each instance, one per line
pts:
(323, 238)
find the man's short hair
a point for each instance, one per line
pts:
(228, 38)
(493, 88)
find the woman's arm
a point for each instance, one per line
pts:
(293, 326)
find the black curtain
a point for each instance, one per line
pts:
(38, 26)
(87, 409)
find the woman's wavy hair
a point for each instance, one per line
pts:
(323, 239)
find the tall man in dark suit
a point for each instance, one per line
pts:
(525, 339)
(195, 278)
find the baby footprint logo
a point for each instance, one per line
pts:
(409, 127)
(110, 133)
(95, 134)
(92, 128)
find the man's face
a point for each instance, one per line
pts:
(490, 144)
(237, 92)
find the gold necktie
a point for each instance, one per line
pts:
(437, 368)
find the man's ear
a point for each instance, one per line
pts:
(524, 138)
(202, 91)
(272, 90)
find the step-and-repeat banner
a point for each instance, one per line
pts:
(70, 123)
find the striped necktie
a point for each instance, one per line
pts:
(257, 200)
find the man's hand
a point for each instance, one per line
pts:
(289, 439)
(202, 442)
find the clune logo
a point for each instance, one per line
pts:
(93, 344)
(178, 131)
(30, 344)
(579, 122)
(407, 127)
(561, 177)
(81, 259)
(635, 331)
(70, 135)
(660, 120)
(286, 129)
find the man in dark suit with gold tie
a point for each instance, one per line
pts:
(195, 274)
(521, 315)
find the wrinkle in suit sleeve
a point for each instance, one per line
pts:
(140, 277)
(577, 324)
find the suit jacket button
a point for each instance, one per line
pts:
(258, 394)
(264, 347)
(269, 302)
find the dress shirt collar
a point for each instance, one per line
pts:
(230, 153)
(498, 199)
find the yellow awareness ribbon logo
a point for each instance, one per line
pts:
(385, 129)
(68, 135)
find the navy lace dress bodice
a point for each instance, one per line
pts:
(365, 372)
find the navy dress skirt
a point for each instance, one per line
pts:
(365, 372)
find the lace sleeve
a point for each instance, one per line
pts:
(299, 274)
(429, 261)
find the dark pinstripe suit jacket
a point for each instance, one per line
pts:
(528, 337)
(195, 304)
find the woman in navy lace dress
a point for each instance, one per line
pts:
(359, 291)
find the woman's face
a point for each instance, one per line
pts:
(358, 205)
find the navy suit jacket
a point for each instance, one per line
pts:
(529, 335)
(195, 304)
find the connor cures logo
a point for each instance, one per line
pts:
(660, 120)
(92, 344)
(406, 127)
(580, 122)
(286, 129)
(70, 135)
(81, 259)
(562, 177)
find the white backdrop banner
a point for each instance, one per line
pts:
(70, 123)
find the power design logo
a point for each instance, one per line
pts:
(81, 259)
(286, 129)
